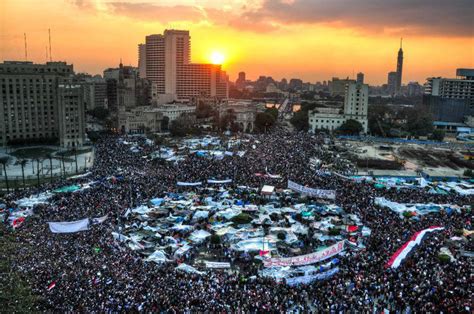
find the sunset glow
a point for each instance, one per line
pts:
(217, 58)
(278, 39)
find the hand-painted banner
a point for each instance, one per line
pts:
(403, 252)
(219, 181)
(304, 280)
(329, 194)
(306, 259)
(69, 226)
(188, 183)
(217, 264)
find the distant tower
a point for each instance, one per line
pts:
(360, 78)
(399, 67)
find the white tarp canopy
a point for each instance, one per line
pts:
(199, 236)
(157, 257)
(69, 226)
(189, 269)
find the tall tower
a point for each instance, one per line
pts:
(399, 67)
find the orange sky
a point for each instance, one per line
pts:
(310, 39)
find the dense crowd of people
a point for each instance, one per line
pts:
(92, 272)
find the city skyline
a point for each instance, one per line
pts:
(91, 35)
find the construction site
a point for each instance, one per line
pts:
(407, 158)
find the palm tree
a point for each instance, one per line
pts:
(4, 161)
(38, 170)
(22, 163)
(50, 157)
(74, 150)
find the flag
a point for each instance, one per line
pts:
(262, 253)
(51, 285)
(18, 222)
(351, 228)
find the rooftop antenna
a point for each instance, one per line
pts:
(46, 49)
(49, 33)
(26, 48)
(401, 42)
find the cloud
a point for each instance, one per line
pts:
(414, 16)
(152, 12)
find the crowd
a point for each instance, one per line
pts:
(92, 272)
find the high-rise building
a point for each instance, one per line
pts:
(392, 78)
(142, 60)
(173, 76)
(337, 87)
(450, 99)
(356, 103)
(295, 84)
(40, 103)
(241, 81)
(360, 78)
(399, 69)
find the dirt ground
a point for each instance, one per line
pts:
(435, 161)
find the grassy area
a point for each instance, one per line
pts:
(32, 152)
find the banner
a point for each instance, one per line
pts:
(69, 226)
(217, 264)
(188, 183)
(306, 259)
(329, 194)
(219, 181)
(403, 252)
(304, 280)
(100, 220)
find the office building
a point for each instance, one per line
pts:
(173, 76)
(450, 99)
(356, 103)
(392, 78)
(295, 84)
(337, 87)
(142, 61)
(360, 78)
(40, 103)
(241, 81)
(95, 92)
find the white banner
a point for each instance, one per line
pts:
(69, 226)
(219, 181)
(306, 259)
(217, 264)
(100, 220)
(329, 194)
(188, 183)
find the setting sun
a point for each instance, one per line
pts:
(217, 57)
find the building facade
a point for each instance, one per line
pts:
(173, 76)
(356, 102)
(337, 87)
(140, 120)
(35, 103)
(450, 99)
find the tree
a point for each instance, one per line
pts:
(263, 121)
(419, 121)
(273, 112)
(437, 135)
(468, 173)
(165, 124)
(50, 157)
(351, 127)
(4, 161)
(22, 163)
(178, 128)
(227, 119)
(204, 110)
(99, 113)
(300, 120)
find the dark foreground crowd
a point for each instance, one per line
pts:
(94, 273)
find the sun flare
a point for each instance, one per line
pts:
(217, 57)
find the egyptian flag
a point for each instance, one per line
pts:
(18, 222)
(51, 285)
(401, 254)
(263, 253)
(351, 228)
